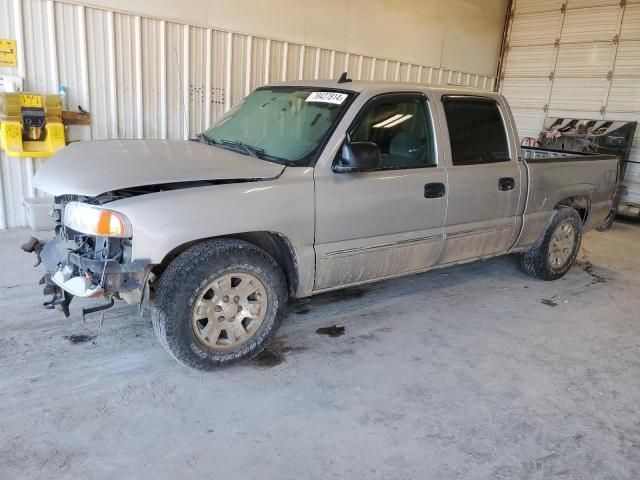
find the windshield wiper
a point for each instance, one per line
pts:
(250, 150)
(208, 140)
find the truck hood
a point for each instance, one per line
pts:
(92, 168)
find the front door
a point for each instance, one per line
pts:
(485, 184)
(388, 222)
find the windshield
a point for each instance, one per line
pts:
(280, 124)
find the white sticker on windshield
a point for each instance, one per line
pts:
(327, 97)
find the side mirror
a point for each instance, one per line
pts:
(358, 157)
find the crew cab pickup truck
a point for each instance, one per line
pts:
(303, 188)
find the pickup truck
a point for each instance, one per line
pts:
(303, 188)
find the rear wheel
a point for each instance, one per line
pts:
(218, 303)
(556, 250)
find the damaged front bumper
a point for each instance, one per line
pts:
(70, 273)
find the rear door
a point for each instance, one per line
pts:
(484, 175)
(388, 222)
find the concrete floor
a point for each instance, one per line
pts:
(471, 372)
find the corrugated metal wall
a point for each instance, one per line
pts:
(149, 78)
(575, 59)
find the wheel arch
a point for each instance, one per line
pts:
(274, 243)
(580, 203)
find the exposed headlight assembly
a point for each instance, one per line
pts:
(98, 221)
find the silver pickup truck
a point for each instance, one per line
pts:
(308, 187)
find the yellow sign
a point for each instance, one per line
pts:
(27, 100)
(8, 53)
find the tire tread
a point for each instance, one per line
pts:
(166, 313)
(535, 261)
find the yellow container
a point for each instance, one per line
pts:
(20, 140)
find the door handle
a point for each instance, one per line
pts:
(506, 183)
(434, 190)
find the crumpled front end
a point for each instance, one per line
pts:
(81, 265)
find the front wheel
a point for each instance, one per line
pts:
(556, 250)
(218, 303)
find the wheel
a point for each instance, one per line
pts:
(556, 250)
(218, 303)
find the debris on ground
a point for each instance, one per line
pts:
(82, 338)
(332, 331)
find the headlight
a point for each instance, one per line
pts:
(98, 221)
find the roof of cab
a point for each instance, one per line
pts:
(361, 86)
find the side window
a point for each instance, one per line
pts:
(476, 131)
(401, 127)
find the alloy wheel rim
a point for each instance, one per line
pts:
(561, 245)
(229, 310)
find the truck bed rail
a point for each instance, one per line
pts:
(541, 155)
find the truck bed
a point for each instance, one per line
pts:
(570, 178)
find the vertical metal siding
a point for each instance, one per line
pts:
(153, 79)
(150, 78)
(176, 113)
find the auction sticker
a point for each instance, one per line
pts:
(327, 97)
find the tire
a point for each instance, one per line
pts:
(544, 260)
(194, 284)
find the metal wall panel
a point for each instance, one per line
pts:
(176, 83)
(628, 59)
(535, 29)
(573, 4)
(9, 11)
(590, 24)
(352, 66)
(311, 60)
(278, 52)
(530, 61)
(295, 62)
(154, 93)
(219, 68)
(71, 51)
(624, 96)
(259, 62)
(150, 78)
(529, 121)
(631, 23)
(128, 68)
(41, 71)
(102, 75)
(199, 76)
(571, 94)
(239, 68)
(537, 6)
(338, 64)
(584, 59)
(526, 92)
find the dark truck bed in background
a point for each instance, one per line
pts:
(611, 137)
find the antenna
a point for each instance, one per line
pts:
(344, 78)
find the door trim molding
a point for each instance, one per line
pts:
(481, 230)
(381, 246)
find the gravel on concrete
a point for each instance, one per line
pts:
(470, 372)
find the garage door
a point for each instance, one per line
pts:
(578, 59)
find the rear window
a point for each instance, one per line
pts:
(476, 131)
